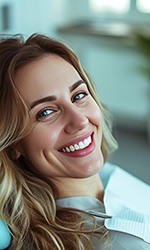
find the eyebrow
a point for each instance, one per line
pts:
(53, 97)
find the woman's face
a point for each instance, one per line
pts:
(66, 137)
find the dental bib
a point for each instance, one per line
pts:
(127, 200)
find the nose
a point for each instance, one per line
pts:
(75, 121)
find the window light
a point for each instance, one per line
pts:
(143, 5)
(111, 6)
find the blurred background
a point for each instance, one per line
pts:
(112, 40)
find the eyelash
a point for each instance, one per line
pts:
(42, 114)
(84, 93)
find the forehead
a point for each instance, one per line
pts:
(48, 74)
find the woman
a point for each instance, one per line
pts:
(55, 137)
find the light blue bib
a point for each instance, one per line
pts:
(5, 236)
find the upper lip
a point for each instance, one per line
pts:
(76, 141)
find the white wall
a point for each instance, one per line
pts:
(30, 16)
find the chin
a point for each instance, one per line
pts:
(91, 170)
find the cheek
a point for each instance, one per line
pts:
(40, 138)
(95, 115)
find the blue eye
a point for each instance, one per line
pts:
(44, 114)
(79, 96)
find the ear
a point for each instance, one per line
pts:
(17, 151)
(17, 154)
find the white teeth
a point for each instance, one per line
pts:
(67, 149)
(86, 143)
(76, 147)
(89, 139)
(80, 145)
(72, 149)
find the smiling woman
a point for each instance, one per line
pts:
(55, 133)
(55, 137)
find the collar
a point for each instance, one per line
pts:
(121, 200)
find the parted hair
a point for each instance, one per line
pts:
(27, 198)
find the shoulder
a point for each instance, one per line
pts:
(116, 240)
(127, 200)
(126, 241)
(111, 171)
(125, 186)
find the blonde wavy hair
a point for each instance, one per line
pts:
(27, 198)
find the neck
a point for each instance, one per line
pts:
(69, 187)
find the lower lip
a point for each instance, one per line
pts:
(82, 152)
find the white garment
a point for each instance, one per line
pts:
(127, 200)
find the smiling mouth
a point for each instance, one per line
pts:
(78, 146)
